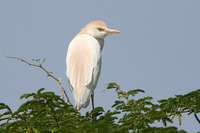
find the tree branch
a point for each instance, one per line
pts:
(48, 74)
(63, 90)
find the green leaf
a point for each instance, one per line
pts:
(134, 92)
(43, 60)
(111, 86)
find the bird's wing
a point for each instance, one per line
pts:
(83, 67)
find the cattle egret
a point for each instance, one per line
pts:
(84, 61)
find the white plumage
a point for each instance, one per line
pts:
(84, 61)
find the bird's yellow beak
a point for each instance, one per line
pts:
(111, 31)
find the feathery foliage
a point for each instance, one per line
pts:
(47, 112)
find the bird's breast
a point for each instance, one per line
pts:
(84, 53)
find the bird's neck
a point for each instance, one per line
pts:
(101, 42)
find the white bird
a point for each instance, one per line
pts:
(84, 61)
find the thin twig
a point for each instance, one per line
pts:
(118, 88)
(174, 113)
(8, 117)
(61, 88)
(48, 74)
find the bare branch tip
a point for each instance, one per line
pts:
(5, 56)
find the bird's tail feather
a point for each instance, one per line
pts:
(82, 99)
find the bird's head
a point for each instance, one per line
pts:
(98, 30)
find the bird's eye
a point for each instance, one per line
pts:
(101, 29)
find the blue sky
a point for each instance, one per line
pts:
(157, 52)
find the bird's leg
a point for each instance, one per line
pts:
(92, 97)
